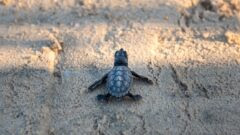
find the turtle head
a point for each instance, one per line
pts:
(121, 58)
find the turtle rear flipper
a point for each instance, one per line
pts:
(103, 97)
(134, 97)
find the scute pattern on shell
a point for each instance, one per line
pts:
(119, 81)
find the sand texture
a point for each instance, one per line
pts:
(52, 50)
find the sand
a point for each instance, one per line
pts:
(52, 50)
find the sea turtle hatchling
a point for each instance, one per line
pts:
(119, 79)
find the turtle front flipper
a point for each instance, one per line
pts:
(142, 77)
(98, 83)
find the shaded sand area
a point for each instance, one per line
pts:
(52, 50)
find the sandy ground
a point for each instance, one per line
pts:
(52, 50)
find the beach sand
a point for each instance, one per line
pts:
(52, 50)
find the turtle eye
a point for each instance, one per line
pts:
(116, 53)
(125, 53)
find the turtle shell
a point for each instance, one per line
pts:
(119, 81)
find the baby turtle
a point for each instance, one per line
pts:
(119, 79)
